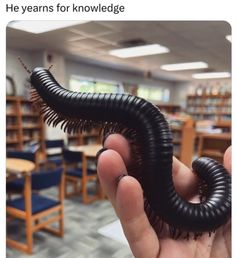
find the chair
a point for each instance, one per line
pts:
(75, 164)
(32, 208)
(54, 152)
(17, 185)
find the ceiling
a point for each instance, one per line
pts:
(188, 41)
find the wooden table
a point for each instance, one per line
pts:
(89, 151)
(19, 166)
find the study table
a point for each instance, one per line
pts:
(90, 151)
(19, 166)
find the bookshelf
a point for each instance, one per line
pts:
(169, 109)
(183, 137)
(181, 127)
(23, 124)
(214, 145)
(215, 107)
(91, 137)
(13, 124)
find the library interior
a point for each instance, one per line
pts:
(55, 204)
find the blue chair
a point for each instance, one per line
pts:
(54, 152)
(17, 185)
(75, 164)
(33, 208)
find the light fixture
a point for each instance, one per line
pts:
(143, 50)
(37, 27)
(184, 66)
(229, 38)
(212, 75)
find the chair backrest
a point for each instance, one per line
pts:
(28, 155)
(54, 147)
(54, 144)
(46, 179)
(72, 156)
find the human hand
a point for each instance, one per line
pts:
(126, 196)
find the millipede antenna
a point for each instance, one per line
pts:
(24, 65)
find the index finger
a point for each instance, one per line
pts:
(184, 180)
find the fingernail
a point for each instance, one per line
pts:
(100, 152)
(119, 178)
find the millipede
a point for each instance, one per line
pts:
(148, 131)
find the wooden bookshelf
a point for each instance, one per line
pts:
(85, 138)
(183, 138)
(23, 124)
(214, 145)
(183, 131)
(169, 109)
(210, 107)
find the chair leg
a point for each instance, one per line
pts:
(84, 191)
(29, 236)
(76, 190)
(61, 224)
(28, 217)
(75, 187)
(65, 187)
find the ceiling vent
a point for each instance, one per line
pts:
(132, 43)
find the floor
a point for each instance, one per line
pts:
(81, 239)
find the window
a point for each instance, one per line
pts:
(153, 94)
(92, 86)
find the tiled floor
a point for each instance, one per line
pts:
(81, 239)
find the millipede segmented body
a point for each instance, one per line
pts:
(144, 124)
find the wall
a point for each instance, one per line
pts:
(95, 72)
(15, 69)
(178, 90)
(32, 59)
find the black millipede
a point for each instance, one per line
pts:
(146, 127)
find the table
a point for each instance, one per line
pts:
(89, 151)
(19, 166)
(24, 168)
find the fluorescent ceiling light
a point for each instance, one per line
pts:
(184, 66)
(229, 38)
(211, 75)
(42, 26)
(145, 50)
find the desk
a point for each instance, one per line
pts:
(17, 166)
(89, 151)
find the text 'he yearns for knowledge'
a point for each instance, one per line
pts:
(59, 8)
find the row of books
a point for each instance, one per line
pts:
(210, 109)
